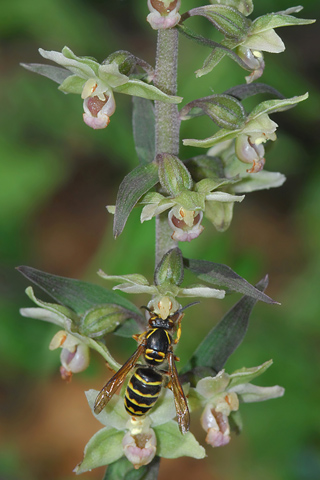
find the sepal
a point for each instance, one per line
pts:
(226, 19)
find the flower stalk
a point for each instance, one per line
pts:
(167, 122)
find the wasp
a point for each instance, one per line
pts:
(144, 387)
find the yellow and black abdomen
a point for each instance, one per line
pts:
(142, 391)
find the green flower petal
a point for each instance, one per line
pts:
(172, 444)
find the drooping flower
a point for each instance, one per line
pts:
(96, 83)
(137, 439)
(74, 355)
(255, 131)
(220, 397)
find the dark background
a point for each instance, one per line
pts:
(57, 175)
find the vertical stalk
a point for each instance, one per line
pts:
(167, 121)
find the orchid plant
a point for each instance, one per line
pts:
(178, 194)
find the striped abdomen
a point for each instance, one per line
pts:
(142, 391)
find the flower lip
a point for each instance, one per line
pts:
(188, 226)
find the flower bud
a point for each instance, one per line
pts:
(164, 13)
(255, 61)
(249, 151)
(139, 443)
(74, 356)
(186, 224)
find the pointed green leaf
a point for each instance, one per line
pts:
(134, 185)
(221, 136)
(170, 268)
(226, 336)
(56, 74)
(246, 375)
(223, 276)
(138, 88)
(143, 122)
(219, 50)
(248, 90)
(103, 448)
(172, 444)
(226, 19)
(76, 294)
(275, 20)
(270, 106)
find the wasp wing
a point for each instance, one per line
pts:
(116, 381)
(180, 400)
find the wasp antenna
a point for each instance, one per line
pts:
(187, 306)
(146, 308)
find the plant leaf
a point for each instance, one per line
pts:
(145, 90)
(226, 336)
(57, 74)
(226, 19)
(143, 122)
(171, 444)
(75, 294)
(103, 448)
(244, 91)
(270, 106)
(219, 49)
(133, 186)
(246, 375)
(223, 276)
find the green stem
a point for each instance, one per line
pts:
(167, 121)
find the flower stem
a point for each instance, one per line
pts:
(167, 121)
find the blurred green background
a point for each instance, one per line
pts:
(57, 175)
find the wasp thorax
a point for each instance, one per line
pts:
(164, 7)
